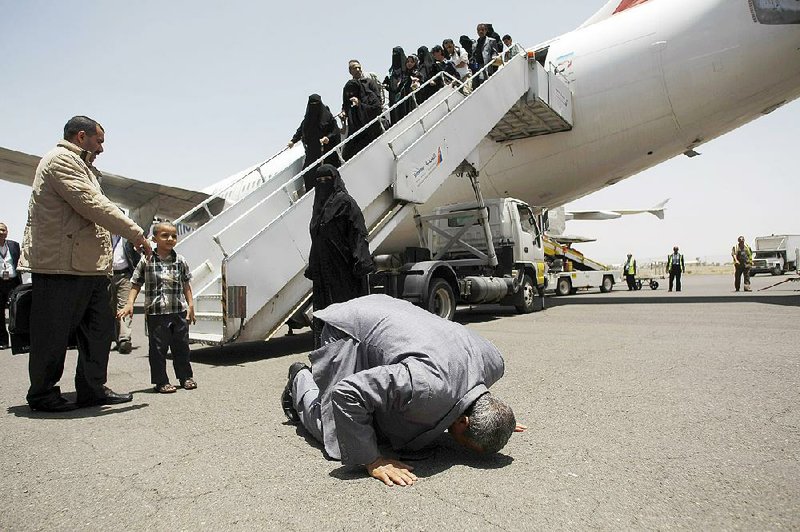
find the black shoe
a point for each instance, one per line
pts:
(109, 398)
(59, 405)
(4, 346)
(125, 347)
(287, 402)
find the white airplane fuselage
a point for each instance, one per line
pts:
(648, 83)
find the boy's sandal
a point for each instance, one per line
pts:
(165, 388)
(189, 384)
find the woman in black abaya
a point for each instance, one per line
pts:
(339, 260)
(398, 83)
(364, 107)
(427, 69)
(320, 135)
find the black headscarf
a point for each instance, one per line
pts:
(491, 33)
(330, 196)
(466, 44)
(426, 63)
(398, 60)
(317, 117)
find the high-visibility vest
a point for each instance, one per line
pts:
(680, 261)
(630, 267)
(747, 250)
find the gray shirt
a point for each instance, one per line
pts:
(399, 370)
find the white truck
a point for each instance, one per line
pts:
(776, 254)
(474, 254)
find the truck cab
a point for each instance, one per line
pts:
(471, 254)
(775, 254)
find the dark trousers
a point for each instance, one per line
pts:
(6, 286)
(62, 304)
(738, 273)
(675, 275)
(631, 280)
(168, 332)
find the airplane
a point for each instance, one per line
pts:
(650, 80)
(647, 80)
(656, 210)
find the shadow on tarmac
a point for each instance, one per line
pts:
(237, 354)
(433, 461)
(89, 411)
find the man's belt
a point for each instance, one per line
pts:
(120, 272)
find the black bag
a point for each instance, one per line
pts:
(19, 318)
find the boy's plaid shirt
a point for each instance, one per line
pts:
(163, 281)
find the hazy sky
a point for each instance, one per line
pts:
(192, 92)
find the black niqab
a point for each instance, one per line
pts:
(466, 44)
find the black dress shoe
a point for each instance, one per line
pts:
(109, 398)
(287, 402)
(60, 405)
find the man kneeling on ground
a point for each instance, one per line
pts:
(392, 370)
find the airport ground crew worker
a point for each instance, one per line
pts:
(630, 272)
(742, 262)
(675, 267)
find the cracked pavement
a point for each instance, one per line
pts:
(646, 410)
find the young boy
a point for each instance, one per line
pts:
(169, 308)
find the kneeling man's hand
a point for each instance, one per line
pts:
(391, 472)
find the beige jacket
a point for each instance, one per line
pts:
(69, 218)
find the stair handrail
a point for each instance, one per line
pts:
(459, 103)
(284, 188)
(290, 183)
(339, 147)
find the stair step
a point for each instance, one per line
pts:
(209, 316)
(205, 338)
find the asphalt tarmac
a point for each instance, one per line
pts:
(647, 410)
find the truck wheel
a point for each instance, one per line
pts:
(776, 271)
(441, 300)
(527, 299)
(608, 284)
(564, 286)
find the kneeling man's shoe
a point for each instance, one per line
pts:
(287, 402)
(747, 288)
(109, 398)
(125, 347)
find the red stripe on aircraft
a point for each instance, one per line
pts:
(625, 4)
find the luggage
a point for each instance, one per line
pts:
(19, 318)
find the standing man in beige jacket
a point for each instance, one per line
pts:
(67, 248)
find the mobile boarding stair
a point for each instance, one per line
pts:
(250, 258)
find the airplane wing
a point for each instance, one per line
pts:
(571, 239)
(168, 202)
(656, 210)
